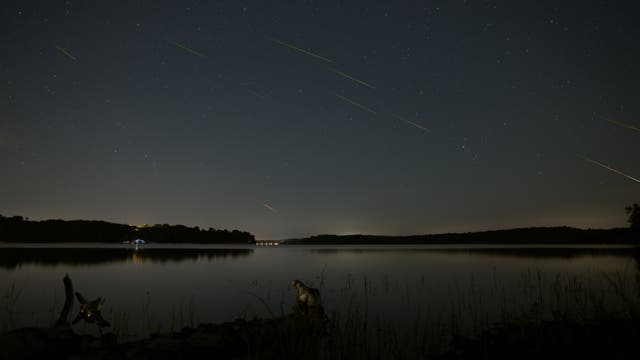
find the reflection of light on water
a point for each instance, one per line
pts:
(136, 257)
(401, 282)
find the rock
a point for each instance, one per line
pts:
(234, 340)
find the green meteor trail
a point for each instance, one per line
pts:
(612, 169)
(410, 122)
(280, 42)
(624, 125)
(338, 72)
(66, 53)
(356, 104)
(187, 49)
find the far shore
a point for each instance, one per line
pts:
(522, 236)
(19, 230)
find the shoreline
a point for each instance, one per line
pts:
(543, 236)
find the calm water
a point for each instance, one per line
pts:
(165, 287)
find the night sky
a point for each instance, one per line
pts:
(293, 118)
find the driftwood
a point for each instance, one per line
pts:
(308, 301)
(90, 311)
(68, 301)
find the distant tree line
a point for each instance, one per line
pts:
(183, 234)
(540, 235)
(533, 235)
(19, 229)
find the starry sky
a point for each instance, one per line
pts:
(292, 118)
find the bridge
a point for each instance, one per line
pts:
(267, 242)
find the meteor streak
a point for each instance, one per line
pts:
(410, 122)
(269, 207)
(280, 42)
(187, 49)
(338, 72)
(612, 169)
(66, 53)
(357, 104)
(255, 93)
(628, 126)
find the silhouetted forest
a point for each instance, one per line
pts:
(498, 251)
(540, 235)
(19, 229)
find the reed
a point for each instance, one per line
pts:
(8, 307)
(356, 328)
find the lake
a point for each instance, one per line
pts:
(163, 288)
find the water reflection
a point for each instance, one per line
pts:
(11, 258)
(390, 282)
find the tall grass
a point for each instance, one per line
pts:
(129, 327)
(358, 334)
(8, 301)
(11, 313)
(356, 327)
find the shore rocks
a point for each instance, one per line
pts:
(264, 338)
